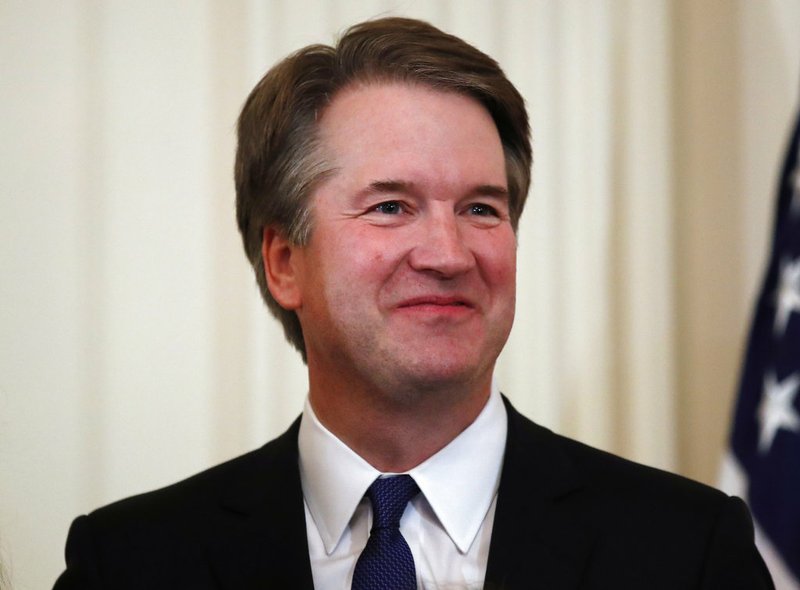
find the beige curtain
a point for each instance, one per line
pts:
(134, 350)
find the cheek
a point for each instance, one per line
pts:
(369, 253)
(499, 262)
(353, 260)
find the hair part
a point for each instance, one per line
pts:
(280, 159)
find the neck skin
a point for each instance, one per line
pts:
(394, 431)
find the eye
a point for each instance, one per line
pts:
(482, 210)
(389, 208)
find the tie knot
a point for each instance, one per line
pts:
(389, 496)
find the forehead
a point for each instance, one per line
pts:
(368, 101)
(411, 128)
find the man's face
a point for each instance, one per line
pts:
(408, 280)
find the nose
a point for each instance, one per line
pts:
(440, 247)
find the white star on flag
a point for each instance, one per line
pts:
(776, 409)
(788, 294)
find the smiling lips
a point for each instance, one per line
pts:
(436, 304)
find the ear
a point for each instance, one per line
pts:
(281, 269)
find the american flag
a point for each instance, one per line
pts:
(763, 464)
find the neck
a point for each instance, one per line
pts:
(396, 431)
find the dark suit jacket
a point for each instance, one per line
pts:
(568, 517)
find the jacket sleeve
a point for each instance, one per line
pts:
(732, 560)
(82, 570)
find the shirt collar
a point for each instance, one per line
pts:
(459, 482)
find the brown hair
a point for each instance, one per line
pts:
(279, 160)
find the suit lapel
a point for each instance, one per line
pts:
(535, 539)
(260, 540)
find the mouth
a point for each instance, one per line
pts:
(434, 302)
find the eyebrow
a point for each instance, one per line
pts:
(389, 186)
(402, 186)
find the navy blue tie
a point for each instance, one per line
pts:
(386, 562)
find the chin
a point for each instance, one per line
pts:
(426, 376)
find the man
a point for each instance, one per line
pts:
(379, 185)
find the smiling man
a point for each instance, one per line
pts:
(405, 289)
(379, 187)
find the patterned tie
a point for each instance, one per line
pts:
(386, 562)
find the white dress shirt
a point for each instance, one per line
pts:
(448, 526)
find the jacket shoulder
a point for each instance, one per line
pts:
(619, 520)
(247, 506)
(566, 459)
(274, 463)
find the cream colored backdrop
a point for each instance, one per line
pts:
(134, 350)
